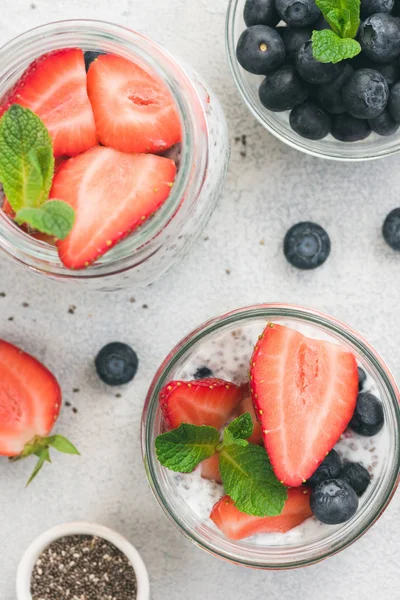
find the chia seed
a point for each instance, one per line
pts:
(83, 567)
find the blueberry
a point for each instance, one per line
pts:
(260, 12)
(362, 378)
(365, 94)
(346, 128)
(283, 89)
(310, 121)
(306, 245)
(370, 7)
(298, 13)
(328, 469)
(391, 229)
(203, 373)
(89, 57)
(330, 94)
(368, 416)
(394, 102)
(391, 72)
(293, 39)
(314, 71)
(379, 37)
(333, 501)
(383, 124)
(260, 49)
(116, 363)
(356, 476)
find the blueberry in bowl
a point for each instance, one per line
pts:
(346, 81)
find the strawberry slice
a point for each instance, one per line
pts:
(304, 393)
(112, 193)
(200, 402)
(134, 111)
(30, 399)
(210, 468)
(54, 87)
(7, 208)
(237, 525)
(246, 406)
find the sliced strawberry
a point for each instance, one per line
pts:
(304, 393)
(112, 193)
(237, 525)
(210, 468)
(30, 399)
(246, 406)
(54, 87)
(7, 208)
(200, 402)
(133, 110)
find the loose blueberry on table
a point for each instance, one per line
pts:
(345, 78)
(272, 475)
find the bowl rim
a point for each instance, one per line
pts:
(39, 544)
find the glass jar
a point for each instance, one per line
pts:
(322, 540)
(162, 240)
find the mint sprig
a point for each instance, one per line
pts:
(246, 471)
(27, 171)
(337, 44)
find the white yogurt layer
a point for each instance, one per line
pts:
(228, 356)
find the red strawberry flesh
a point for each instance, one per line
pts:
(210, 468)
(30, 399)
(304, 393)
(237, 525)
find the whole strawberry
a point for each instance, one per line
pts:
(30, 402)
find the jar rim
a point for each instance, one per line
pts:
(127, 43)
(349, 532)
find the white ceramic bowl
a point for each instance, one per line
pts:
(33, 552)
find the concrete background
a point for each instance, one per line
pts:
(270, 187)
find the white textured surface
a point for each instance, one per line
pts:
(268, 189)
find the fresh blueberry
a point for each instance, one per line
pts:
(379, 37)
(89, 57)
(356, 476)
(328, 469)
(310, 121)
(260, 12)
(330, 94)
(368, 417)
(298, 13)
(116, 363)
(294, 38)
(333, 501)
(391, 72)
(203, 373)
(362, 378)
(260, 49)
(391, 229)
(370, 7)
(365, 94)
(383, 124)
(346, 128)
(360, 61)
(314, 71)
(306, 245)
(283, 89)
(394, 102)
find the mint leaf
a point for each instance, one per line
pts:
(26, 158)
(328, 47)
(342, 15)
(60, 443)
(248, 478)
(229, 438)
(183, 448)
(242, 427)
(54, 217)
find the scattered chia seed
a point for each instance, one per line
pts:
(25, 304)
(75, 390)
(145, 306)
(74, 410)
(11, 318)
(82, 567)
(67, 403)
(72, 309)
(2, 294)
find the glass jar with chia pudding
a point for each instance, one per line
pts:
(339, 405)
(183, 160)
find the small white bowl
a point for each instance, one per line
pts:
(33, 552)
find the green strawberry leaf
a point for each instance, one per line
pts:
(328, 47)
(60, 443)
(248, 478)
(54, 217)
(183, 448)
(26, 158)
